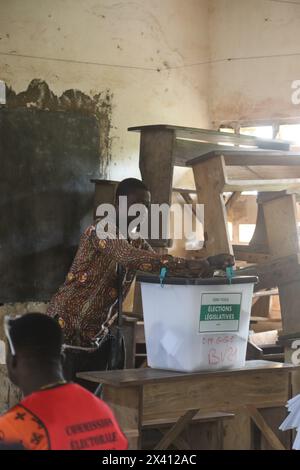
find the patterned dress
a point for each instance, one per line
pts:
(86, 304)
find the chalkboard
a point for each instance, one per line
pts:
(46, 162)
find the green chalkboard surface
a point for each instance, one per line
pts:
(46, 162)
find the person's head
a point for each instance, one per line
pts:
(34, 349)
(135, 191)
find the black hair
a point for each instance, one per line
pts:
(37, 336)
(130, 185)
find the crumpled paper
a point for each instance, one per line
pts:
(292, 421)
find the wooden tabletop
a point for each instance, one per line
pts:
(210, 135)
(131, 377)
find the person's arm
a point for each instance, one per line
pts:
(194, 266)
(146, 259)
(198, 267)
(136, 259)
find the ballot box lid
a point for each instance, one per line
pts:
(216, 280)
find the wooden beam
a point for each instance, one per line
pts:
(274, 273)
(249, 256)
(232, 199)
(210, 179)
(156, 166)
(128, 411)
(212, 136)
(282, 225)
(265, 429)
(175, 430)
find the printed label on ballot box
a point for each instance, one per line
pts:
(219, 312)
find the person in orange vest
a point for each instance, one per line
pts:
(54, 414)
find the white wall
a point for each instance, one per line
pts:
(143, 33)
(158, 34)
(254, 89)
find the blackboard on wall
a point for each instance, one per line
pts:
(46, 162)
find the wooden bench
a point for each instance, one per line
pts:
(244, 170)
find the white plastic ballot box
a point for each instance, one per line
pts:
(196, 324)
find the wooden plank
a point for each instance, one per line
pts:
(232, 199)
(188, 200)
(210, 179)
(275, 272)
(181, 443)
(215, 136)
(184, 191)
(175, 430)
(156, 163)
(288, 338)
(237, 432)
(251, 172)
(132, 377)
(127, 407)
(104, 192)
(129, 330)
(156, 166)
(208, 436)
(200, 416)
(258, 389)
(282, 226)
(274, 417)
(261, 308)
(140, 332)
(289, 296)
(262, 185)
(261, 159)
(266, 293)
(245, 253)
(198, 435)
(137, 308)
(185, 150)
(268, 433)
(250, 157)
(259, 241)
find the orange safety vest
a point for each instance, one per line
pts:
(66, 417)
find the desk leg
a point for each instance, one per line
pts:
(175, 430)
(265, 429)
(126, 403)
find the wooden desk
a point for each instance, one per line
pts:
(138, 396)
(244, 170)
(164, 146)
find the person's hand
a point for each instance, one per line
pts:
(221, 261)
(199, 267)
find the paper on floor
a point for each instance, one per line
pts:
(292, 421)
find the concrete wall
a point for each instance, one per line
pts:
(79, 34)
(258, 88)
(64, 40)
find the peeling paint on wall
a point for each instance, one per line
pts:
(39, 95)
